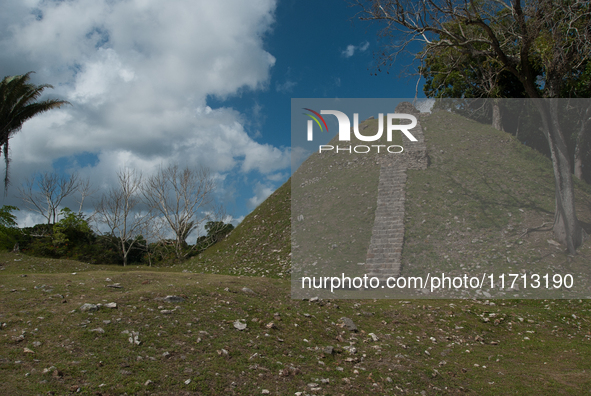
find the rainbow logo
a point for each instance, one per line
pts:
(315, 118)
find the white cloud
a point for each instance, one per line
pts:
(285, 87)
(351, 49)
(261, 192)
(25, 218)
(138, 74)
(277, 177)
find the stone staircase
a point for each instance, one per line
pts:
(385, 248)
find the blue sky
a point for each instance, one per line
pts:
(189, 82)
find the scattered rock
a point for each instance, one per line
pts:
(271, 325)
(111, 305)
(239, 325)
(134, 338)
(166, 312)
(349, 324)
(19, 338)
(98, 330)
(248, 291)
(223, 352)
(89, 307)
(49, 369)
(116, 286)
(174, 299)
(148, 383)
(329, 350)
(27, 350)
(352, 350)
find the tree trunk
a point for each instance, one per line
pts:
(579, 144)
(566, 225)
(497, 121)
(124, 253)
(578, 158)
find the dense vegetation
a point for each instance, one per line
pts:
(73, 238)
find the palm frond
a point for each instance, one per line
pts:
(18, 103)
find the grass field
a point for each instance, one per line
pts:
(192, 347)
(471, 208)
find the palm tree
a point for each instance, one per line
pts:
(17, 104)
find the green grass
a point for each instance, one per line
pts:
(184, 345)
(259, 246)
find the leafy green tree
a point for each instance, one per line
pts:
(18, 103)
(217, 230)
(515, 36)
(7, 219)
(451, 72)
(9, 231)
(72, 227)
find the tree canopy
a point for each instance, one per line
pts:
(539, 42)
(18, 103)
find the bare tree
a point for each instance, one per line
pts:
(44, 193)
(516, 35)
(118, 209)
(181, 198)
(85, 190)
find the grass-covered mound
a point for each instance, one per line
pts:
(479, 205)
(258, 246)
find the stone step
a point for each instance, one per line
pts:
(385, 249)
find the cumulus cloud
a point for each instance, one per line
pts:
(351, 49)
(261, 192)
(137, 74)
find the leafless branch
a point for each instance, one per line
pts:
(118, 209)
(181, 198)
(44, 193)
